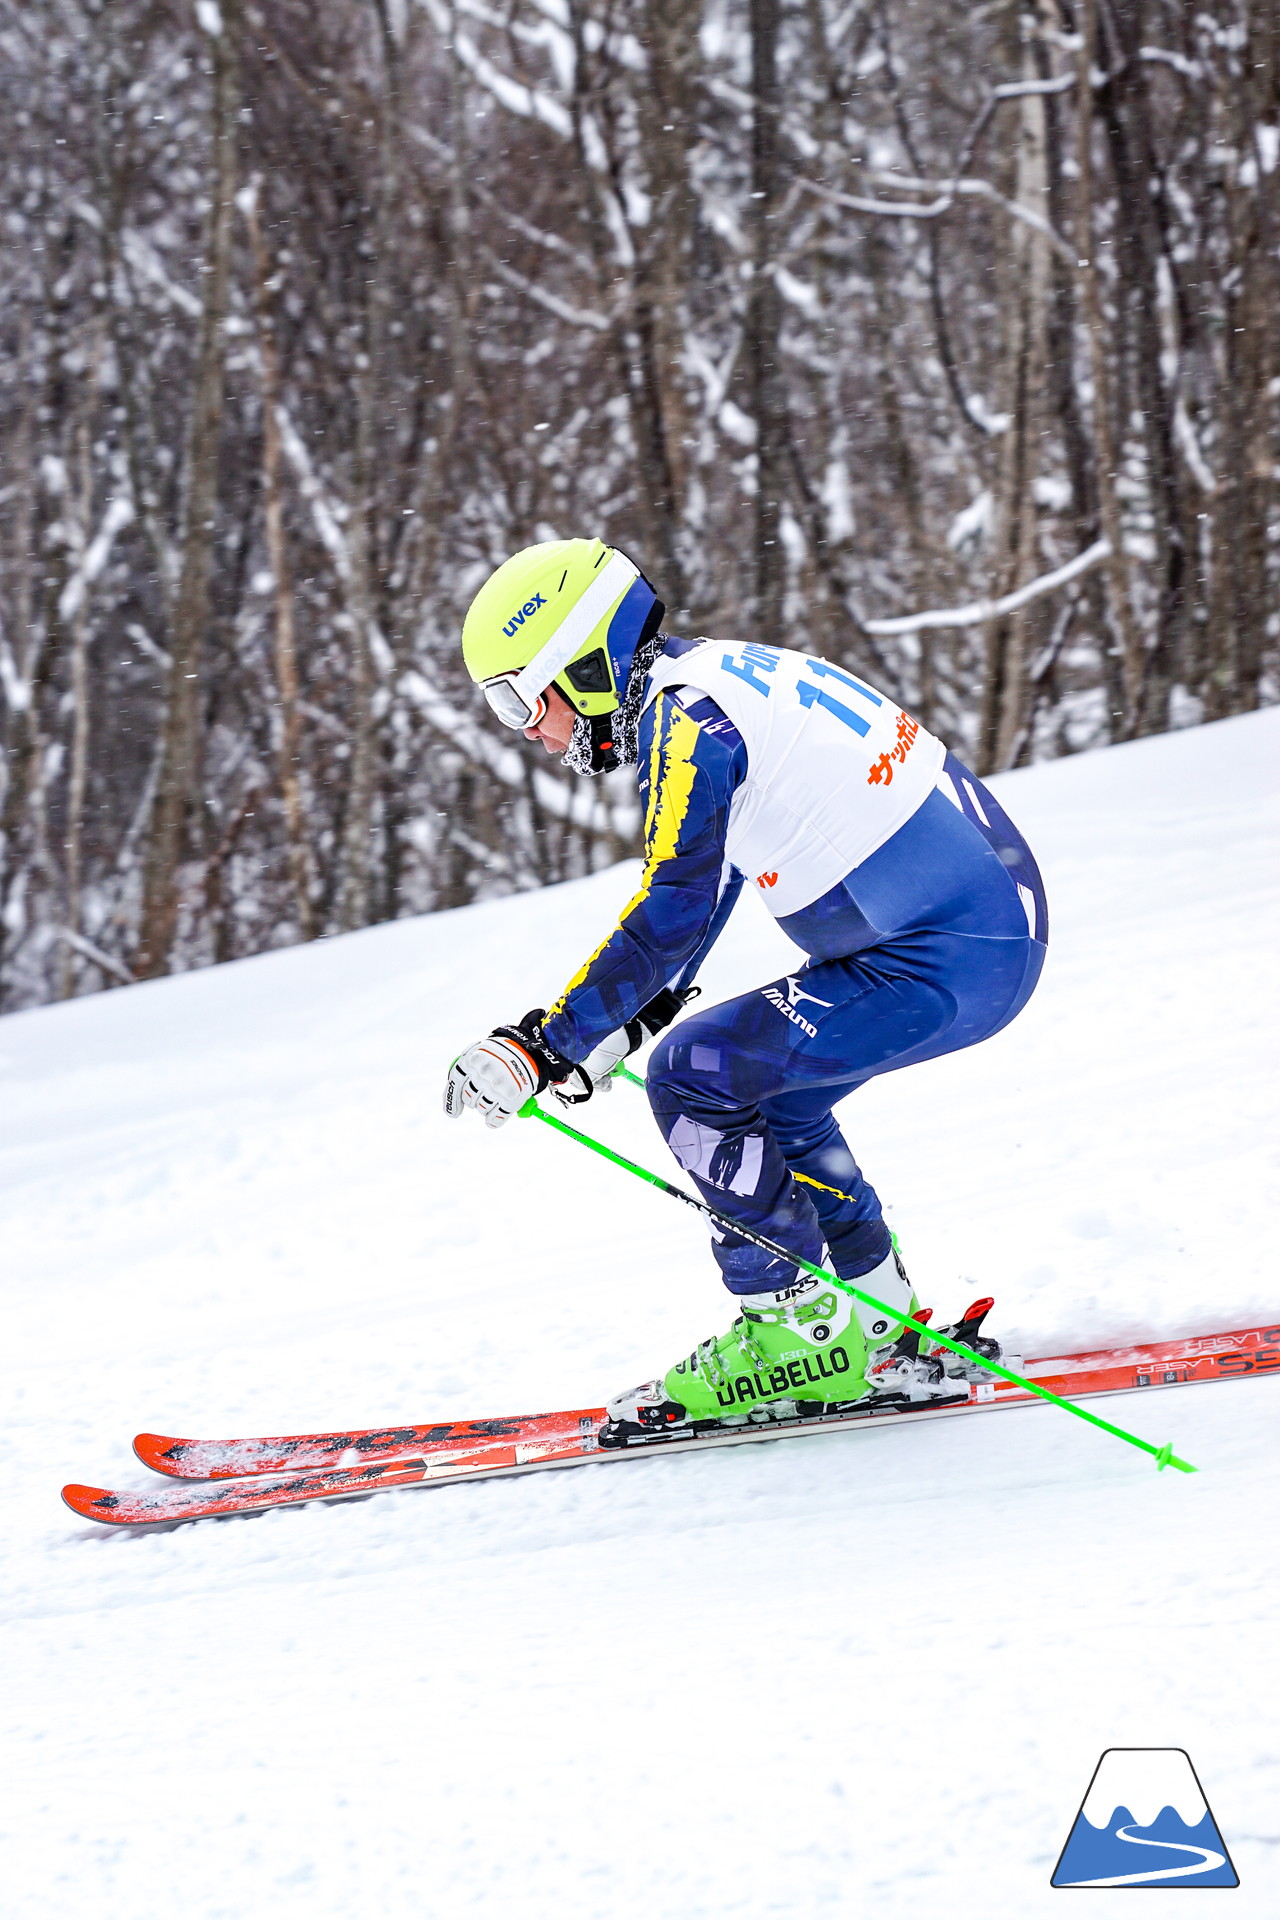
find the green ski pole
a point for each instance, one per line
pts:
(1163, 1456)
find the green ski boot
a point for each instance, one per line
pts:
(809, 1343)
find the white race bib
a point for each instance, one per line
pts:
(833, 767)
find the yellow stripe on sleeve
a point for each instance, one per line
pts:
(671, 776)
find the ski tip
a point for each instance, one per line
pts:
(91, 1503)
(161, 1452)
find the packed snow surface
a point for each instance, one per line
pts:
(860, 1674)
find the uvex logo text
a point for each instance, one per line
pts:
(517, 620)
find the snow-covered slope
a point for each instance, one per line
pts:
(864, 1674)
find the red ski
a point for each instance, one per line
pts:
(287, 1453)
(333, 1466)
(1110, 1370)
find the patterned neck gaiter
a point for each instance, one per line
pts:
(580, 756)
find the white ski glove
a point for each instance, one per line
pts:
(498, 1074)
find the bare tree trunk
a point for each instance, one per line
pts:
(72, 866)
(215, 905)
(1121, 599)
(636, 326)
(764, 323)
(355, 892)
(75, 788)
(903, 468)
(1141, 219)
(668, 125)
(286, 661)
(1253, 290)
(176, 788)
(430, 506)
(1061, 323)
(22, 822)
(357, 854)
(1024, 318)
(32, 883)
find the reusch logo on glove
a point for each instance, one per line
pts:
(517, 620)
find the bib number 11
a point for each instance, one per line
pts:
(811, 696)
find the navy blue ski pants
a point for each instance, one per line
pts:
(953, 917)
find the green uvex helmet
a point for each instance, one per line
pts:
(568, 613)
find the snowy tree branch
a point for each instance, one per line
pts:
(119, 514)
(980, 611)
(81, 945)
(947, 192)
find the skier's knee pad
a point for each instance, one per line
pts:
(688, 1073)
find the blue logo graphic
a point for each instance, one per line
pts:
(1145, 1823)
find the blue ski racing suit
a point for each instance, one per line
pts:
(924, 924)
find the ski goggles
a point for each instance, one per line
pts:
(509, 703)
(518, 699)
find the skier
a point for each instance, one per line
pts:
(918, 904)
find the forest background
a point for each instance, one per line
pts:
(939, 340)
